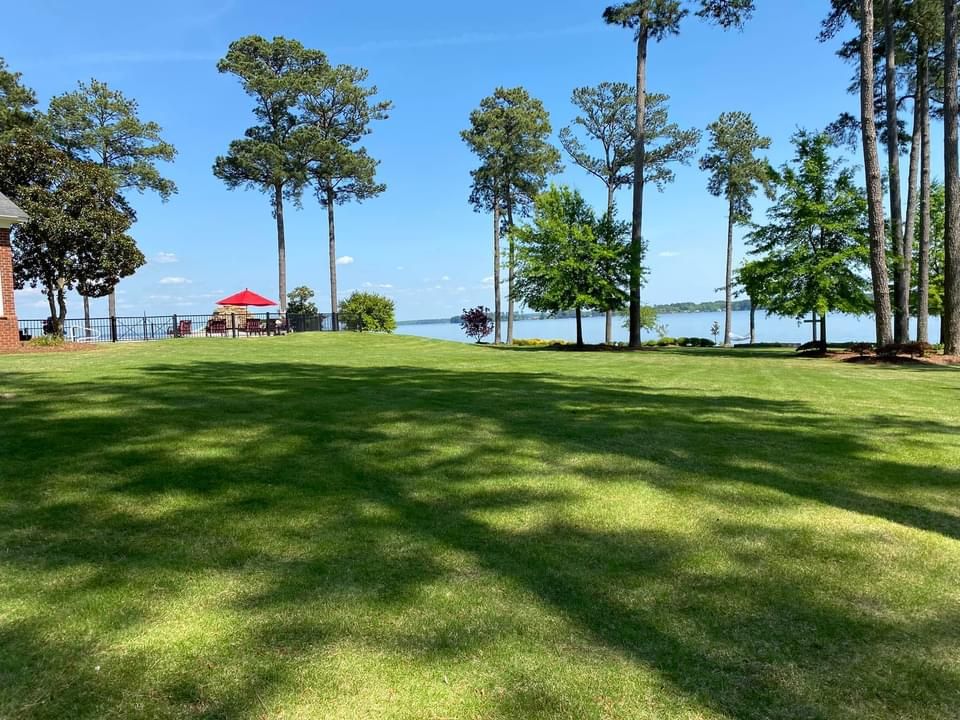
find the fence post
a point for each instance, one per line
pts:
(145, 326)
(233, 323)
(113, 328)
(176, 327)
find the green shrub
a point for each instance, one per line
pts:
(666, 340)
(47, 341)
(706, 342)
(368, 312)
(650, 343)
(536, 342)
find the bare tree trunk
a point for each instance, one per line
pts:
(281, 246)
(813, 326)
(52, 304)
(728, 284)
(61, 308)
(511, 259)
(332, 241)
(893, 161)
(753, 322)
(496, 271)
(871, 162)
(639, 161)
(86, 317)
(112, 303)
(905, 269)
(823, 330)
(608, 330)
(579, 327)
(950, 321)
(923, 267)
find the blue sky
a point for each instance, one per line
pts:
(420, 242)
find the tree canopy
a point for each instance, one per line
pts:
(815, 244)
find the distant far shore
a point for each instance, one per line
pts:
(669, 308)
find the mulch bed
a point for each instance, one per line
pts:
(26, 348)
(935, 359)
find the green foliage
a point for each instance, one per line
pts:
(275, 74)
(735, 172)
(662, 17)
(537, 342)
(368, 312)
(815, 244)
(753, 279)
(608, 117)
(16, 101)
(76, 235)
(648, 318)
(300, 301)
(337, 109)
(102, 125)
(509, 134)
(47, 341)
(567, 258)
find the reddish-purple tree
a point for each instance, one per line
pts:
(476, 322)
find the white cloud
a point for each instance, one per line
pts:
(488, 280)
(461, 289)
(385, 286)
(174, 281)
(345, 260)
(669, 253)
(399, 267)
(445, 277)
(165, 258)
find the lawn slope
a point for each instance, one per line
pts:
(351, 526)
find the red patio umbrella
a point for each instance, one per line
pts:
(247, 297)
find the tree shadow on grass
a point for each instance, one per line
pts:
(329, 501)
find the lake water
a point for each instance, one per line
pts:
(840, 328)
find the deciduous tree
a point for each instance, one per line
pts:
(568, 259)
(815, 242)
(76, 235)
(300, 301)
(736, 173)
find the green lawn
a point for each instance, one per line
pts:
(381, 527)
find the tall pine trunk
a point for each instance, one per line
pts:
(728, 284)
(893, 165)
(905, 268)
(608, 328)
(511, 260)
(871, 162)
(950, 321)
(496, 271)
(923, 259)
(639, 161)
(281, 246)
(332, 247)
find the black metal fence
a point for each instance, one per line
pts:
(163, 327)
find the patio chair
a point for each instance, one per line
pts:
(216, 326)
(254, 327)
(185, 328)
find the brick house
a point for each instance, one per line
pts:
(10, 214)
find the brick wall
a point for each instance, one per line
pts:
(9, 333)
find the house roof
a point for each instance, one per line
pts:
(9, 211)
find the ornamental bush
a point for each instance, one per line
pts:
(477, 322)
(368, 312)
